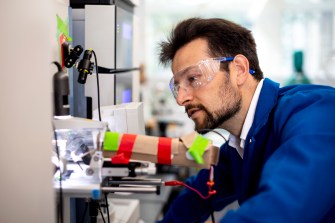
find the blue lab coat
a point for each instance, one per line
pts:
(287, 173)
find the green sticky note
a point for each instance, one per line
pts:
(111, 141)
(197, 148)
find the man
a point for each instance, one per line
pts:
(279, 161)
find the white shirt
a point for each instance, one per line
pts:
(239, 143)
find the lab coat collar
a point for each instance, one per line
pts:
(239, 143)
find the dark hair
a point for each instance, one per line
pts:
(224, 38)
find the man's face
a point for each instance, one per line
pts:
(209, 98)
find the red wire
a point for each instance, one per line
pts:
(178, 183)
(210, 184)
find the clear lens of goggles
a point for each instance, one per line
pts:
(195, 76)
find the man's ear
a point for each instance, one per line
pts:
(242, 68)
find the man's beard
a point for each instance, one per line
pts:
(216, 118)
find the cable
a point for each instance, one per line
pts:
(60, 204)
(114, 90)
(59, 67)
(219, 134)
(212, 217)
(116, 71)
(215, 131)
(84, 213)
(211, 177)
(178, 183)
(98, 85)
(102, 215)
(210, 184)
(107, 208)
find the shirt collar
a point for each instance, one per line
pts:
(239, 143)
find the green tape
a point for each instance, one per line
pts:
(63, 27)
(198, 148)
(111, 141)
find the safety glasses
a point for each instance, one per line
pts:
(197, 75)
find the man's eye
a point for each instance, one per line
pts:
(192, 78)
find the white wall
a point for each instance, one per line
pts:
(28, 35)
(267, 33)
(284, 26)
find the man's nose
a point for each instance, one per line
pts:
(184, 95)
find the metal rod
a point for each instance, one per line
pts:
(144, 182)
(130, 189)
